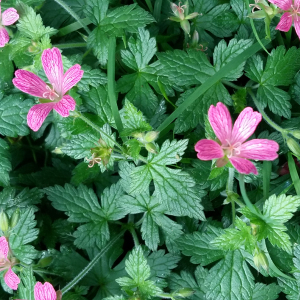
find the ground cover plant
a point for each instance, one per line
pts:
(149, 149)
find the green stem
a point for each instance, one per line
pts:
(288, 36)
(267, 168)
(70, 45)
(73, 14)
(32, 150)
(265, 116)
(134, 236)
(245, 197)
(228, 83)
(150, 6)
(92, 263)
(111, 83)
(157, 9)
(229, 191)
(73, 27)
(99, 129)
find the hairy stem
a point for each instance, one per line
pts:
(245, 197)
(92, 263)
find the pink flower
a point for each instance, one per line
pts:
(232, 141)
(291, 9)
(53, 96)
(44, 291)
(8, 17)
(10, 278)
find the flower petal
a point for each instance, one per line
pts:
(9, 16)
(30, 83)
(44, 291)
(66, 104)
(53, 67)
(4, 37)
(283, 4)
(244, 166)
(71, 77)
(297, 24)
(37, 115)
(245, 125)
(208, 149)
(4, 248)
(11, 279)
(285, 22)
(260, 149)
(220, 120)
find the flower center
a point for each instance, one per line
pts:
(232, 150)
(50, 94)
(295, 10)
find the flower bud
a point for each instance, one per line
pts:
(296, 134)
(185, 292)
(186, 27)
(195, 39)
(151, 136)
(15, 218)
(138, 135)
(4, 222)
(45, 262)
(254, 228)
(293, 146)
(178, 11)
(151, 148)
(57, 150)
(260, 260)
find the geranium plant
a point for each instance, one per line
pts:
(149, 149)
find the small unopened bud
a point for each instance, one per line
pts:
(296, 134)
(151, 148)
(195, 39)
(293, 146)
(15, 218)
(151, 136)
(260, 260)
(185, 292)
(4, 222)
(45, 262)
(254, 228)
(138, 135)
(57, 151)
(186, 27)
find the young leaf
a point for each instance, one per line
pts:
(26, 286)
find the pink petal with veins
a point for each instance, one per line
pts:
(44, 291)
(30, 83)
(244, 166)
(245, 125)
(220, 120)
(4, 248)
(260, 149)
(208, 149)
(283, 4)
(4, 37)
(72, 77)
(297, 24)
(53, 67)
(11, 279)
(9, 16)
(37, 115)
(64, 106)
(285, 22)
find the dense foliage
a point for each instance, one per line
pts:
(121, 176)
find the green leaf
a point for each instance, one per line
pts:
(82, 173)
(133, 120)
(196, 112)
(97, 102)
(82, 206)
(265, 292)
(91, 77)
(199, 247)
(233, 238)
(125, 18)
(223, 54)
(31, 25)
(186, 280)
(22, 234)
(230, 279)
(185, 68)
(13, 113)
(95, 10)
(5, 163)
(141, 50)
(277, 100)
(7, 65)
(26, 286)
